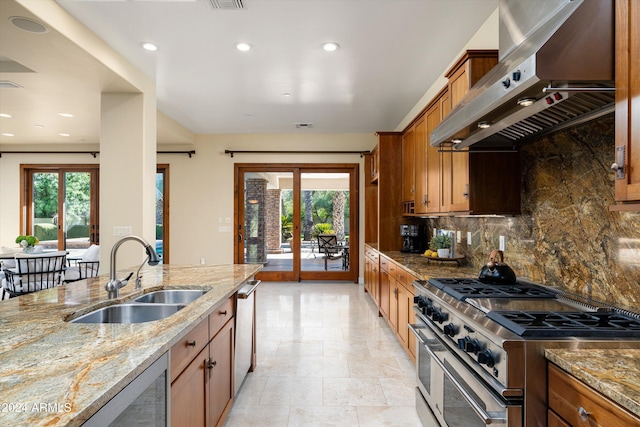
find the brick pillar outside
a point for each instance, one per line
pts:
(274, 232)
(254, 221)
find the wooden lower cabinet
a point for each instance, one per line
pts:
(371, 274)
(573, 403)
(189, 393)
(202, 392)
(396, 301)
(220, 375)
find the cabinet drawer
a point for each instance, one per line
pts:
(569, 397)
(218, 318)
(385, 264)
(405, 278)
(393, 270)
(186, 349)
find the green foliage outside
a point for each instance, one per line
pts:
(322, 228)
(321, 213)
(45, 231)
(78, 230)
(158, 231)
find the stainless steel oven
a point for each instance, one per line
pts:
(453, 394)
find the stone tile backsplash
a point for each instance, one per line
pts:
(566, 237)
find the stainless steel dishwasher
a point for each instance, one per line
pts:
(245, 332)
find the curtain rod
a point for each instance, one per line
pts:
(232, 152)
(190, 153)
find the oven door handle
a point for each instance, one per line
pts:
(486, 418)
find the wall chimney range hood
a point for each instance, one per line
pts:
(556, 70)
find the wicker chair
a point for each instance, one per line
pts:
(34, 273)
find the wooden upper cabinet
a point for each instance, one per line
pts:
(434, 117)
(421, 192)
(408, 167)
(627, 146)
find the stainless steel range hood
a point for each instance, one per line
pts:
(558, 55)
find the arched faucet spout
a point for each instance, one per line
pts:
(113, 286)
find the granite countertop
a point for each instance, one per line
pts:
(613, 372)
(425, 269)
(77, 368)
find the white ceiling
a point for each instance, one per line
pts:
(391, 53)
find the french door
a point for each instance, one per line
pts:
(60, 205)
(281, 210)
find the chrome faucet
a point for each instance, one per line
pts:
(113, 285)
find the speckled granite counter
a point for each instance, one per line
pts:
(614, 372)
(79, 367)
(425, 269)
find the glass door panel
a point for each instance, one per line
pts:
(45, 215)
(268, 221)
(77, 211)
(324, 215)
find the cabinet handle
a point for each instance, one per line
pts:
(466, 191)
(211, 364)
(425, 200)
(224, 313)
(584, 414)
(191, 343)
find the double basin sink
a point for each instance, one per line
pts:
(146, 308)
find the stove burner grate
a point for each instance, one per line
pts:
(462, 289)
(565, 324)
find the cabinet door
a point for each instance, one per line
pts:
(220, 375)
(421, 190)
(189, 394)
(408, 166)
(433, 162)
(385, 289)
(627, 147)
(404, 307)
(393, 304)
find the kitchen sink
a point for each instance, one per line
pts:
(129, 313)
(174, 296)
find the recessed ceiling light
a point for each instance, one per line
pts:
(484, 125)
(286, 94)
(243, 46)
(5, 115)
(66, 115)
(330, 46)
(38, 126)
(64, 134)
(28, 24)
(7, 134)
(151, 47)
(525, 102)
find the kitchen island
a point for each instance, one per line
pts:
(57, 373)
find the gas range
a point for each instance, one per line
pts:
(496, 335)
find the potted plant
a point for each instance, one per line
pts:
(442, 243)
(28, 243)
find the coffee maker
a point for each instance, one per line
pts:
(413, 238)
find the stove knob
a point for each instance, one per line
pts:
(449, 329)
(486, 358)
(439, 316)
(469, 345)
(428, 311)
(506, 83)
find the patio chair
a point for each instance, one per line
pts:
(84, 268)
(328, 246)
(34, 273)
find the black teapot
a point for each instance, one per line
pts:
(496, 271)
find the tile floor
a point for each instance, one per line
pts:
(324, 359)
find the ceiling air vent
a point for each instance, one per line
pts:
(304, 125)
(226, 4)
(6, 84)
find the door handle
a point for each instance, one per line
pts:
(239, 237)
